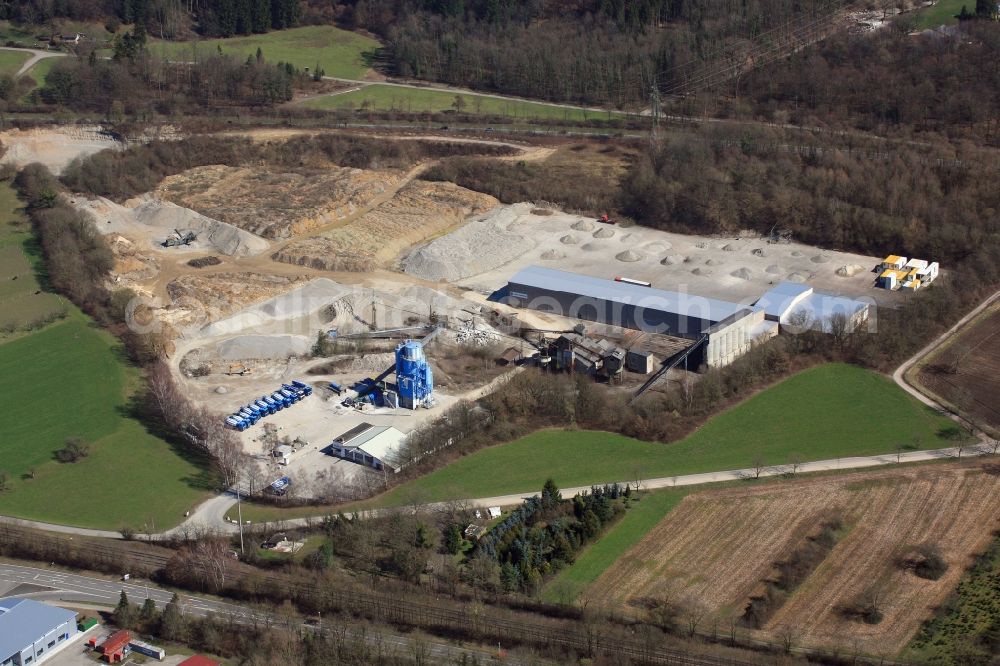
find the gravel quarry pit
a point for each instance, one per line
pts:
(55, 147)
(277, 204)
(149, 220)
(487, 251)
(420, 210)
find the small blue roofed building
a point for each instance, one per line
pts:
(31, 630)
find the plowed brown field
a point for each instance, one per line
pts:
(717, 546)
(966, 372)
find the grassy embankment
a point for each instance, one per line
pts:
(830, 411)
(69, 379)
(379, 97)
(338, 52)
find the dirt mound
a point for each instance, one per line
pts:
(730, 247)
(773, 269)
(672, 259)
(656, 247)
(553, 254)
(742, 273)
(583, 225)
(795, 253)
(569, 239)
(629, 256)
(713, 262)
(541, 211)
(419, 211)
(820, 259)
(480, 245)
(604, 232)
(759, 252)
(277, 204)
(702, 271)
(591, 247)
(796, 277)
(850, 271)
(202, 262)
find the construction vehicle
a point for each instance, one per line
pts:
(238, 369)
(605, 219)
(180, 238)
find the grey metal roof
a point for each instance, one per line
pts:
(689, 305)
(23, 621)
(777, 301)
(819, 310)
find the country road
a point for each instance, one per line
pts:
(62, 588)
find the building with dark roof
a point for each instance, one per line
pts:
(31, 630)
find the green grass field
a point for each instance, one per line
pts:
(591, 563)
(338, 52)
(826, 412)
(942, 13)
(11, 61)
(379, 97)
(68, 380)
(40, 70)
(21, 299)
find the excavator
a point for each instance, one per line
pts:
(178, 238)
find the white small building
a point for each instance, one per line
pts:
(377, 447)
(494, 512)
(30, 631)
(798, 306)
(284, 454)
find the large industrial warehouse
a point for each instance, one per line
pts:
(725, 329)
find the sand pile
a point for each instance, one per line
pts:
(821, 259)
(656, 247)
(202, 298)
(155, 219)
(481, 245)
(796, 277)
(569, 239)
(672, 259)
(583, 225)
(629, 256)
(730, 247)
(742, 273)
(591, 247)
(263, 346)
(759, 252)
(553, 254)
(850, 271)
(795, 253)
(604, 232)
(774, 269)
(702, 271)
(713, 262)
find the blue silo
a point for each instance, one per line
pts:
(413, 375)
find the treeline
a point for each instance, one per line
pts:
(166, 18)
(144, 85)
(545, 533)
(883, 81)
(595, 51)
(871, 197)
(128, 173)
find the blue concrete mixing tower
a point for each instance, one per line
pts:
(413, 375)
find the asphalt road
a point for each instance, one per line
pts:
(69, 589)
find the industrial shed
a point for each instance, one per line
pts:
(724, 330)
(617, 303)
(30, 631)
(798, 306)
(374, 446)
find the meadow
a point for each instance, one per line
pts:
(944, 12)
(339, 53)
(11, 61)
(379, 97)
